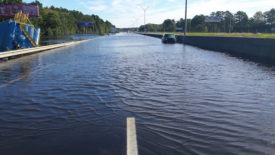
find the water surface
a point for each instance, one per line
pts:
(186, 100)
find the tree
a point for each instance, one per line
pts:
(60, 21)
(259, 17)
(180, 23)
(270, 16)
(49, 32)
(218, 26)
(229, 21)
(198, 24)
(169, 25)
(11, 1)
(257, 23)
(241, 21)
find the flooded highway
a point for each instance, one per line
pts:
(185, 100)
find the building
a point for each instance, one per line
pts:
(179, 29)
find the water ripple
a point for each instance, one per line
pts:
(186, 100)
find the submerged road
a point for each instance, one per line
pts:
(185, 100)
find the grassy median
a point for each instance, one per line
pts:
(246, 35)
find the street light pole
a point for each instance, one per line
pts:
(185, 27)
(145, 9)
(144, 18)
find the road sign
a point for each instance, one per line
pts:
(85, 24)
(212, 19)
(9, 10)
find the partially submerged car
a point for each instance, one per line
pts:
(169, 38)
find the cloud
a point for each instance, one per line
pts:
(128, 13)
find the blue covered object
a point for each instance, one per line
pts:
(12, 37)
(36, 35)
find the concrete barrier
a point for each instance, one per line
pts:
(254, 48)
(258, 49)
(152, 35)
(17, 53)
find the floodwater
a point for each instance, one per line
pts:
(186, 100)
(65, 38)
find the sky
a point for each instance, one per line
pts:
(129, 13)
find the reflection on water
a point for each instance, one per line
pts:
(65, 38)
(186, 100)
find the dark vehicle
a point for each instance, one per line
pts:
(169, 38)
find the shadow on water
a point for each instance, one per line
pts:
(260, 61)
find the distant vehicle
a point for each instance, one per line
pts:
(169, 38)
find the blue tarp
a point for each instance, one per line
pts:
(12, 37)
(36, 35)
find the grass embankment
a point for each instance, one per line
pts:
(245, 35)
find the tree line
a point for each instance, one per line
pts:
(55, 21)
(261, 22)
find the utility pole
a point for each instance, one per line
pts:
(185, 28)
(145, 9)
(230, 25)
(144, 18)
(190, 28)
